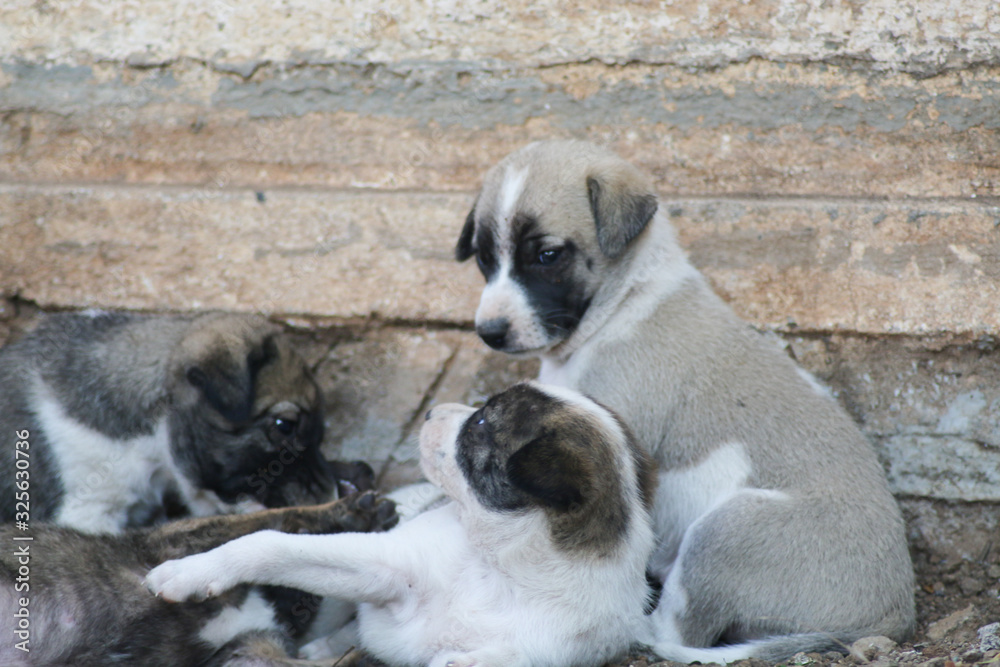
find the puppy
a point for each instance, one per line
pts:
(538, 558)
(126, 419)
(70, 598)
(776, 529)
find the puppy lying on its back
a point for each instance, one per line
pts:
(130, 418)
(539, 558)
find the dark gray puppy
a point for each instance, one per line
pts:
(73, 599)
(126, 419)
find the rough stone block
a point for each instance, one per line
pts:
(925, 35)
(286, 253)
(756, 127)
(374, 389)
(931, 411)
(920, 268)
(915, 268)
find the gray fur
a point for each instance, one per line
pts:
(87, 605)
(207, 394)
(810, 544)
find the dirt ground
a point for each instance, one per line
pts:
(955, 598)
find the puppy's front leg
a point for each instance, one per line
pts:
(208, 574)
(364, 567)
(360, 513)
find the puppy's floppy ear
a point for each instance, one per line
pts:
(226, 377)
(463, 250)
(622, 202)
(549, 471)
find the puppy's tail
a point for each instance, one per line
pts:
(772, 649)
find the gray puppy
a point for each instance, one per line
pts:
(72, 599)
(777, 531)
(127, 419)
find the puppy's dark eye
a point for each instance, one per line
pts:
(284, 426)
(548, 257)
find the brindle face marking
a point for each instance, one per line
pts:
(492, 435)
(532, 448)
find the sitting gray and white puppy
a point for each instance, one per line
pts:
(127, 419)
(777, 531)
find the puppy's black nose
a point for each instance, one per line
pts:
(494, 332)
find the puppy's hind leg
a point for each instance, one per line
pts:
(767, 575)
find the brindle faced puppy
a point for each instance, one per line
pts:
(130, 418)
(72, 599)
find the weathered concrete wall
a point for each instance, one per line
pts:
(832, 167)
(792, 264)
(922, 36)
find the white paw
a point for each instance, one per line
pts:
(455, 660)
(195, 577)
(317, 649)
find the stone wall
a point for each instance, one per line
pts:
(832, 167)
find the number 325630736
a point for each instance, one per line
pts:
(22, 463)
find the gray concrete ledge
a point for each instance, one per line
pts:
(926, 35)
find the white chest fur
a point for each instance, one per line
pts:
(102, 476)
(502, 595)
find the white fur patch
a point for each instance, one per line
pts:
(510, 192)
(338, 642)
(720, 654)
(254, 614)
(415, 499)
(504, 298)
(661, 627)
(102, 476)
(438, 439)
(686, 494)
